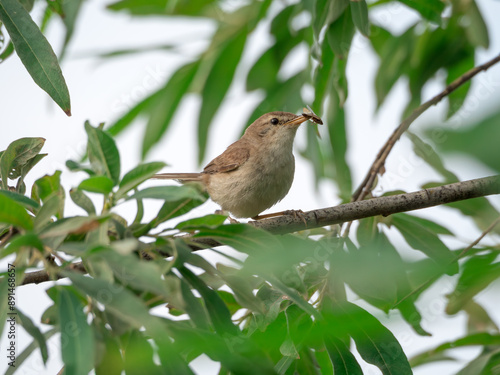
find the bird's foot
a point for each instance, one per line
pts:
(231, 220)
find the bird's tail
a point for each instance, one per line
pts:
(181, 177)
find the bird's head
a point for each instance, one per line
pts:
(276, 126)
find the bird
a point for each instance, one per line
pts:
(255, 172)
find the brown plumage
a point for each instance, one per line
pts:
(255, 172)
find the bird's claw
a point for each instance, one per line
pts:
(297, 214)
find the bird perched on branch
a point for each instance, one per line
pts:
(255, 172)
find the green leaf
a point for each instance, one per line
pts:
(478, 273)
(427, 153)
(81, 200)
(17, 155)
(166, 105)
(217, 310)
(46, 186)
(28, 203)
(359, 12)
(168, 193)
(476, 30)
(143, 107)
(344, 363)
(138, 355)
(26, 353)
(71, 9)
(479, 339)
(457, 98)
(74, 224)
(174, 208)
(429, 9)
(97, 184)
(77, 349)
(340, 34)
(429, 224)
(479, 137)
(29, 240)
(13, 213)
(34, 331)
(51, 207)
(136, 176)
(426, 240)
(204, 221)
(35, 52)
(163, 7)
(375, 343)
(103, 154)
(8, 51)
(485, 364)
(480, 209)
(217, 84)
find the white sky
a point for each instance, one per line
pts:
(102, 89)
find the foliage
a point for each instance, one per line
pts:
(279, 304)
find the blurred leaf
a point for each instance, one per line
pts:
(478, 319)
(142, 107)
(207, 220)
(103, 154)
(97, 184)
(138, 355)
(35, 52)
(480, 139)
(375, 343)
(137, 176)
(81, 200)
(8, 51)
(34, 331)
(338, 137)
(28, 203)
(29, 240)
(14, 213)
(476, 31)
(17, 155)
(326, 12)
(71, 9)
(217, 84)
(51, 207)
(74, 224)
(217, 310)
(264, 73)
(167, 103)
(480, 209)
(478, 272)
(457, 98)
(429, 9)
(429, 224)
(359, 12)
(479, 339)
(46, 186)
(427, 153)
(111, 362)
(340, 34)
(178, 207)
(168, 193)
(394, 55)
(422, 238)
(150, 7)
(26, 353)
(77, 349)
(485, 364)
(344, 363)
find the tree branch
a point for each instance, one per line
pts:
(367, 185)
(346, 212)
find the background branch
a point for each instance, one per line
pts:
(347, 212)
(367, 185)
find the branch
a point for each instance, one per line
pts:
(367, 185)
(346, 212)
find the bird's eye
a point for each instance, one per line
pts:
(275, 121)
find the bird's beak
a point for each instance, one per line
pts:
(297, 120)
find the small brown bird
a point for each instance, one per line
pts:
(255, 172)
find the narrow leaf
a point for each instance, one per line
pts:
(137, 176)
(103, 153)
(35, 52)
(13, 213)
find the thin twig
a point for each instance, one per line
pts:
(344, 213)
(367, 185)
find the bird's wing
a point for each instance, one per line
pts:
(229, 160)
